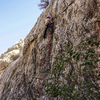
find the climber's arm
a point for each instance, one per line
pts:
(51, 21)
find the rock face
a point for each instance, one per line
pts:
(73, 20)
(11, 54)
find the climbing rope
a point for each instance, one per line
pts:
(45, 66)
(49, 49)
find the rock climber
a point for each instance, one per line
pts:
(47, 25)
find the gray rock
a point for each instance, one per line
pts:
(11, 55)
(73, 20)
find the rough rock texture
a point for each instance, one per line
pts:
(11, 54)
(73, 19)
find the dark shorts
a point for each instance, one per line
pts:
(48, 25)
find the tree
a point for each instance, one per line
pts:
(44, 4)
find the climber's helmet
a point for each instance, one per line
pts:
(48, 17)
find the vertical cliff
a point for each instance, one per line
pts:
(73, 20)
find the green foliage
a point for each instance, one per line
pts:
(12, 74)
(79, 82)
(14, 57)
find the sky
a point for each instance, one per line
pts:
(17, 17)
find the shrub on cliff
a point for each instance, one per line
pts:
(15, 56)
(75, 75)
(43, 4)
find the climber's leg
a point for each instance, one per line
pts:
(50, 30)
(49, 25)
(45, 32)
(46, 26)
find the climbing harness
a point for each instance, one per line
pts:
(45, 66)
